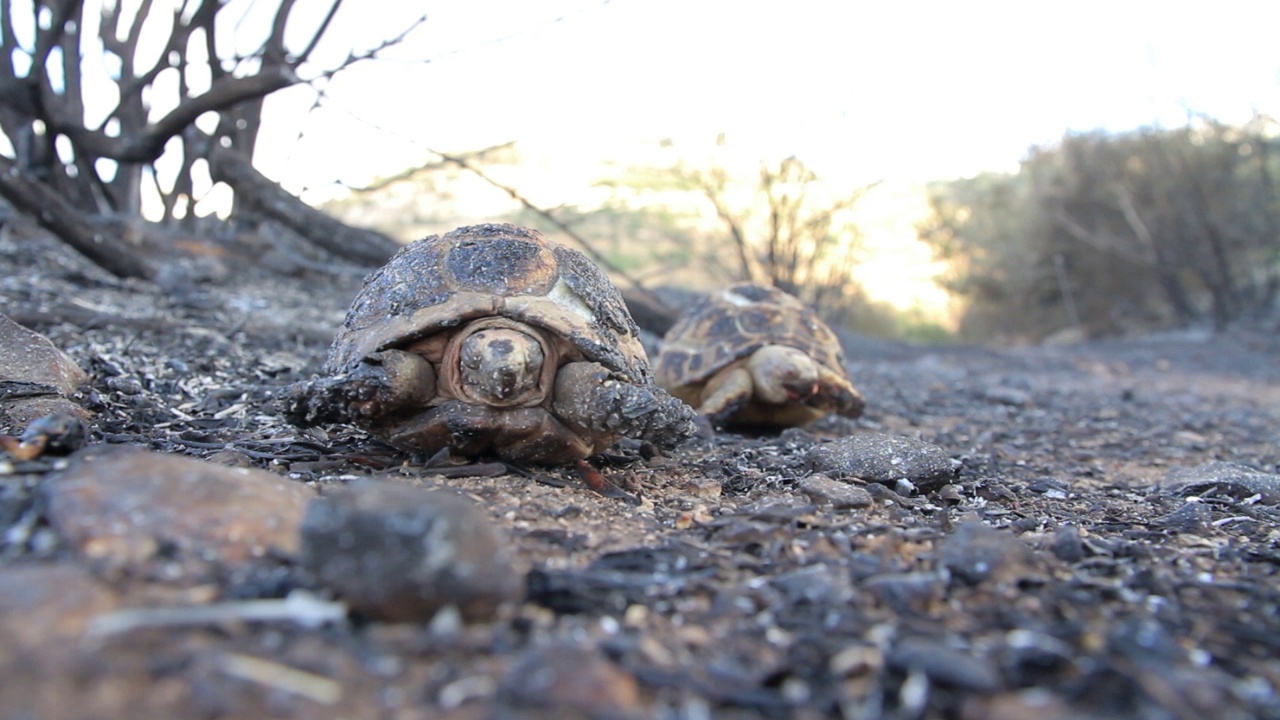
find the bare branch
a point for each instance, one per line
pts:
(482, 155)
(714, 193)
(466, 164)
(8, 39)
(147, 144)
(273, 50)
(372, 52)
(62, 219)
(232, 167)
(319, 33)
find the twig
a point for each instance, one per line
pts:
(299, 607)
(272, 674)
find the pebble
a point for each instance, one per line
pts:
(401, 553)
(1226, 479)
(51, 665)
(42, 605)
(1005, 395)
(171, 517)
(570, 681)
(1026, 704)
(976, 552)
(819, 584)
(885, 459)
(27, 356)
(912, 592)
(945, 665)
(1067, 545)
(1192, 517)
(822, 489)
(29, 359)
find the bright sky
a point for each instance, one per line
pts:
(859, 91)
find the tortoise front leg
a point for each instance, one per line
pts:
(594, 403)
(384, 384)
(836, 394)
(727, 393)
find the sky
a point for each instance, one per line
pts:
(859, 91)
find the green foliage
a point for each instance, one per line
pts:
(1117, 233)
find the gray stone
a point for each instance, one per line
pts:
(171, 517)
(35, 377)
(27, 356)
(1226, 479)
(823, 489)
(567, 681)
(975, 553)
(47, 605)
(945, 665)
(885, 459)
(1005, 395)
(1067, 545)
(401, 553)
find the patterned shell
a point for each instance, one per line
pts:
(441, 282)
(733, 323)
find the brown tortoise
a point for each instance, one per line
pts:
(491, 339)
(753, 356)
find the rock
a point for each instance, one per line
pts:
(819, 583)
(1067, 545)
(47, 660)
(59, 433)
(43, 605)
(976, 552)
(565, 681)
(823, 489)
(1005, 395)
(885, 459)
(401, 553)
(1025, 704)
(35, 376)
(1229, 479)
(944, 664)
(1192, 517)
(27, 356)
(17, 412)
(171, 517)
(912, 592)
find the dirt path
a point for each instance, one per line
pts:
(1051, 578)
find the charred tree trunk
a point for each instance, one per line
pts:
(364, 247)
(48, 207)
(66, 168)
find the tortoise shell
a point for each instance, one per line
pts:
(442, 282)
(731, 324)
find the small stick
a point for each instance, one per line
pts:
(272, 674)
(300, 607)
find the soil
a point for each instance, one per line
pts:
(1065, 572)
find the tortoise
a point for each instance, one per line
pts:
(752, 355)
(492, 339)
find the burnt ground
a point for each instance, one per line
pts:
(1051, 578)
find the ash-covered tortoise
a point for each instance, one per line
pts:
(753, 356)
(491, 339)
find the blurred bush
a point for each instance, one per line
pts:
(1110, 234)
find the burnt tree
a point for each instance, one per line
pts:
(90, 100)
(792, 233)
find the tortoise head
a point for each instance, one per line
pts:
(783, 374)
(501, 367)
